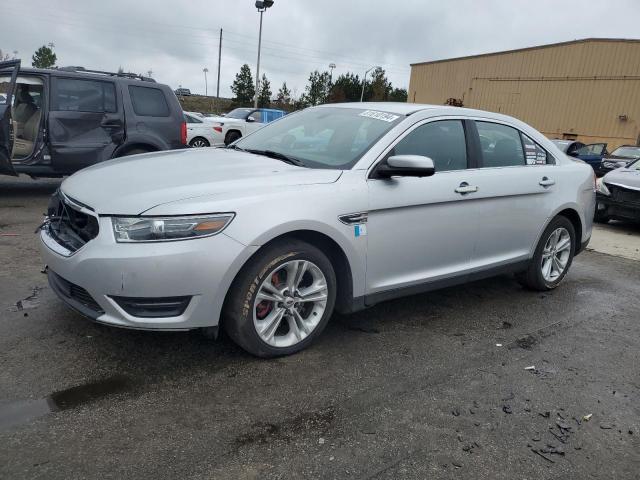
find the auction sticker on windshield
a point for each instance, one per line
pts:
(385, 117)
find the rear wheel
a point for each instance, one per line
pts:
(553, 256)
(232, 137)
(199, 142)
(282, 300)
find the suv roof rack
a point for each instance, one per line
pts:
(111, 74)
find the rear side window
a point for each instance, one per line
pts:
(443, 142)
(501, 145)
(148, 102)
(74, 95)
(534, 153)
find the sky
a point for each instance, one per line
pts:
(176, 40)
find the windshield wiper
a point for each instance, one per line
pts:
(278, 156)
(235, 147)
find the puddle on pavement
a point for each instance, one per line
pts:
(22, 411)
(32, 301)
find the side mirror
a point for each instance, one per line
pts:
(251, 119)
(406, 166)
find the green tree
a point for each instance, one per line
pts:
(346, 88)
(379, 88)
(44, 57)
(318, 88)
(243, 88)
(398, 95)
(264, 97)
(283, 98)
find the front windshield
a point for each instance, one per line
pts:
(239, 113)
(325, 137)
(629, 152)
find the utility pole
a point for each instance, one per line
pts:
(219, 63)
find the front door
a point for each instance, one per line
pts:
(86, 122)
(8, 76)
(423, 229)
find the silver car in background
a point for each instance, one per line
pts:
(337, 207)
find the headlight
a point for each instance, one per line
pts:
(163, 229)
(601, 187)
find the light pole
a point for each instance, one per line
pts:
(364, 81)
(262, 6)
(331, 67)
(206, 90)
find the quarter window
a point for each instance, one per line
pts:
(72, 95)
(148, 102)
(442, 141)
(501, 145)
(534, 153)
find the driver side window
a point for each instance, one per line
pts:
(442, 141)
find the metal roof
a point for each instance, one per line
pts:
(549, 45)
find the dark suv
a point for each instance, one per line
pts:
(55, 122)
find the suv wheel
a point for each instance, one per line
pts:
(199, 142)
(553, 256)
(231, 137)
(282, 300)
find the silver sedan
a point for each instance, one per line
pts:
(337, 207)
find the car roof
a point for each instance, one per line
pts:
(85, 75)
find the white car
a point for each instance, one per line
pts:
(339, 206)
(243, 121)
(201, 133)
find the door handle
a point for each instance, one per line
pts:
(465, 188)
(546, 182)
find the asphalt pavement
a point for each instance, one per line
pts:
(485, 380)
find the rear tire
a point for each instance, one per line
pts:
(267, 315)
(232, 137)
(199, 142)
(552, 258)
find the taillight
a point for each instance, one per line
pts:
(218, 129)
(183, 133)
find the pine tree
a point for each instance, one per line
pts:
(264, 97)
(44, 57)
(283, 98)
(243, 88)
(318, 88)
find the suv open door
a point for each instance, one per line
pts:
(8, 76)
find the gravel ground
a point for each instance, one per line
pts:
(413, 388)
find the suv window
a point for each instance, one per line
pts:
(442, 141)
(534, 153)
(258, 115)
(74, 95)
(501, 145)
(148, 101)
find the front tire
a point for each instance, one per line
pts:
(281, 300)
(552, 258)
(232, 137)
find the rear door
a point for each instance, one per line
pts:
(86, 122)
(516, 185)
(8, 76)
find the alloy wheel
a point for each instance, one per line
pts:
(290, 303)
(199, 143)
(555, 255)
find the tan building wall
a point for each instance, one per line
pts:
(586, 89)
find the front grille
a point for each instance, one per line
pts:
(74, 292)
(626, 195)
(70, 227)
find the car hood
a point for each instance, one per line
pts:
(133, 185)
(624, 177)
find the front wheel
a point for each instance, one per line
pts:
(282, 300)
(552, 258)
